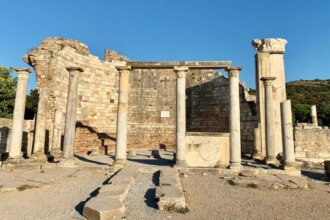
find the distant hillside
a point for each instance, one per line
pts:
(304, 93)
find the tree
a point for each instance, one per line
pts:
(7, 93)
(301, 113)
(31, 104)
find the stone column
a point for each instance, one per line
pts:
(234, 118)
(257, 143)
(314, 115)
(287, 133)
(19, 110)
(40, 127)
(56, 143)
(71, 111)
(269, 61)
(270, 120)
(121, 137)
(181, 72)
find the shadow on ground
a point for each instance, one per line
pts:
(89, 160)
(313, 174)
(150, 195)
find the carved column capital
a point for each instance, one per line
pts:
(22, 73)
(268, 81)
(270, 45)
(124, 69)
(181, 71)
(73, 70)
(233, 71)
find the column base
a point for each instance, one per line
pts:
(39, 156)
(235, 166)
(180, 163)
(68, 163)
(291, 165)
(271, 161)
(56, 153)
(120, 163)
(258, 156)
(221, 165)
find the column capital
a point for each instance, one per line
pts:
(22, 73)
(268, 80)
(73, 70)
(123, 68)
(270, 45)
(181, 71)
(233, 71)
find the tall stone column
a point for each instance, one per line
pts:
(269, 61)
(234, 118)
(181, 72)
(270, 120)
(56, 143)
(40, 131)
(314, 115)
(19, 110)
(287, 133)
(71, 112)
(121, 139)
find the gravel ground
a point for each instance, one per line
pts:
(63, 199)
(209, 197)
(140, 202)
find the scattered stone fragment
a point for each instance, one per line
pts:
(103, 208)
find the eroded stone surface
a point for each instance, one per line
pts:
(169, 192)
(103, 208)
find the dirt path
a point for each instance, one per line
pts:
(63, 199)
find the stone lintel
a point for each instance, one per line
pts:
(172, 64)
(74, 68)
(19, 69)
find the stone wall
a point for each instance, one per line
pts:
(152, 98)
(5, 135)
(312, 143)
(208, 107)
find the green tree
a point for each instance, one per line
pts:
(301, 112)
(7, 93)
(31, 104)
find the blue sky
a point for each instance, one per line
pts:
(164, 30)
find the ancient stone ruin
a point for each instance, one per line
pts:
(202, 121)
(92, 105)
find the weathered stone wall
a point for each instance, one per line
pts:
(208, 107)
(152, 98)
(152, 92)
(312, 144)
(5, 134)
(97, 90)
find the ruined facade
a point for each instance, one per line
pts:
(152, 99)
